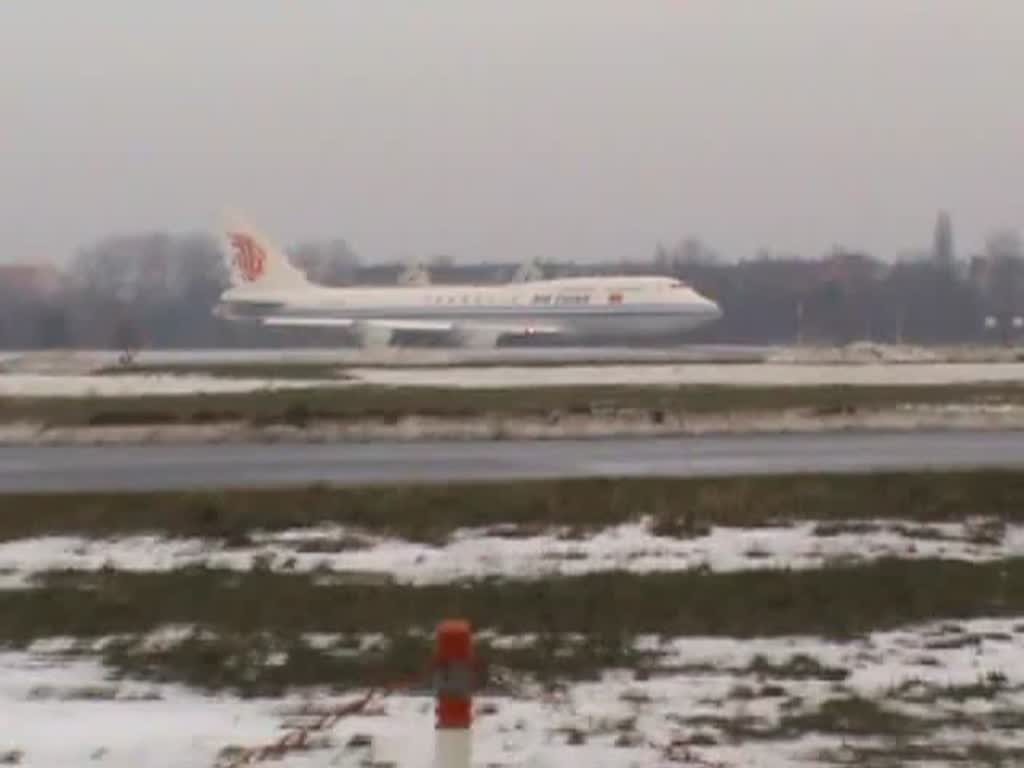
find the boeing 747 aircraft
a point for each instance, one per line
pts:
(267, 289)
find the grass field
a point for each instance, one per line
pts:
(431, 513)
(836, 601)
(246, 370)
(608, 608)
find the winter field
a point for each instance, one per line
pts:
(182, 381)
(774, 621)
(856, 353)
(326, 403)
(69, 373)
(936, 694)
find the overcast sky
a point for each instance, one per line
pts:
(553, 128)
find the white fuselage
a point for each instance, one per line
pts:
(604, 306)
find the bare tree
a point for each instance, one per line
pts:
(1004, 252)
(943, 249)
(330, 263)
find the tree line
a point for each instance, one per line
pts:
(158, 290)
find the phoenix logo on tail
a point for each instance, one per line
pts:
(250, 258)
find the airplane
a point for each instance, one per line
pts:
(268, 290)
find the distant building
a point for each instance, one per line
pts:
(41, 282)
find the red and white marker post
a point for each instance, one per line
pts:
(454, 680)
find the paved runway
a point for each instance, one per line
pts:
(148, 467)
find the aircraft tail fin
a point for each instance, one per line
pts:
(254, 263)
(414, 273)
(529, 271)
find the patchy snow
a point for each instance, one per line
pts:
(700, 702)
(89, 385)
(874, 352)
(737, 374)
(506, 552)
(862, 352)
(85, 360)
(63, 712)
(85, 384)
(626, 423)
(962, 680)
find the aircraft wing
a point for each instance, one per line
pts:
(424, 326)
(414, 325)
(519, 330)
(390, 325)
(288, 321)
(446, 326)
(285, 321)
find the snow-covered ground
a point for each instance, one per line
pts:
(513, 554)
(95, 385)
(79, 383)
(936, 695)
(734, 374)
(626, 423)
(83, 360)
(766, 703)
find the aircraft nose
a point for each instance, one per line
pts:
(714, 312)
(708, 310)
